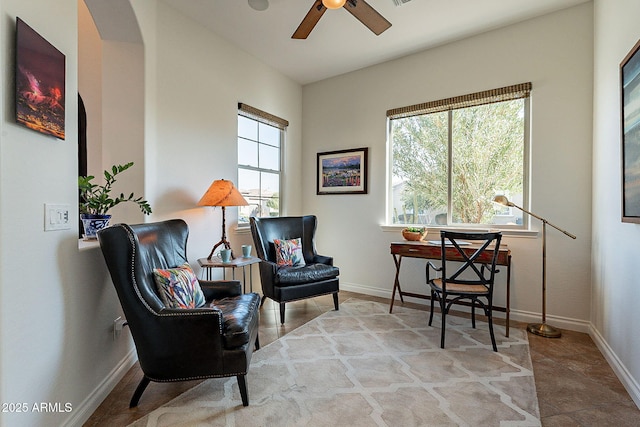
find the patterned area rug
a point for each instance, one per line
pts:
(362, 366)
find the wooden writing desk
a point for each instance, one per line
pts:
(426, 250)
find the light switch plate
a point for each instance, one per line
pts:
(56, 217)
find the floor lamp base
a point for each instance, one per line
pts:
(544, 330)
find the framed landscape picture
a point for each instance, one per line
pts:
(630, 129)
(342, 172)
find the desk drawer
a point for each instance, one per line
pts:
(416, 250)
(429, 251)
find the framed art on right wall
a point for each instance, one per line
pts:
(630, 134)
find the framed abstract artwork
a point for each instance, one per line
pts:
(342, 172)
(630, 134)
(40, 83)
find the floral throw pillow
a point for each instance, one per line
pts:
(179, 287)
(289, 252)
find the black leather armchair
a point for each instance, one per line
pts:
(285, 284)
(175, 344)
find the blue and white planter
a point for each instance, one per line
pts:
(94, 223)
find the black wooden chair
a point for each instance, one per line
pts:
(178, 344)
(318, 276)
(465, 275)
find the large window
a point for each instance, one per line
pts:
(449, 158)
(260, 143)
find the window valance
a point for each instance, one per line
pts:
(262, 116)
(507, 93)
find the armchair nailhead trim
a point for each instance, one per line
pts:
(131, 237)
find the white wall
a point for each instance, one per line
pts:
(123, 123)
(57, 303)
(112, 81)
(200, 79)
(90, 84)
(553, 52)
(615, 253)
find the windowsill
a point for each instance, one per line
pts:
(434, 230)
(87, 244)
(243, 229)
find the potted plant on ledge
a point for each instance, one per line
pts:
(96, 200)
(414, 233)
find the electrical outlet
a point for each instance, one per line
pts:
(56, 217)
(118, 324)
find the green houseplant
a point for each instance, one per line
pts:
(96, 200)
(414, 233)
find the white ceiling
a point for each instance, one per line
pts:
(340, 43)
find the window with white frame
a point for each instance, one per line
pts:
(260, 144)
(449, 158)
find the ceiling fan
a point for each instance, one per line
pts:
(358, 8)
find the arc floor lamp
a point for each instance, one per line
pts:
(541, 329)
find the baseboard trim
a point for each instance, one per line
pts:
(87, 407)
(623, 374)
(366, 290)
(556, 321)
(517, 315)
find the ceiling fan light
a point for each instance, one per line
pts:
(259, 5)
(333, 4)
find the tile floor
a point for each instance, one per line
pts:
(575, 385)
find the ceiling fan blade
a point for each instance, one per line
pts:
(310, 20)
(368, 16)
